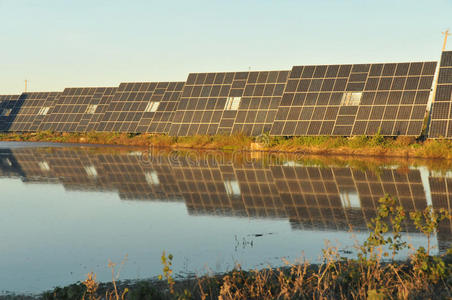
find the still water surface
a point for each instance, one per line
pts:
(65, 211)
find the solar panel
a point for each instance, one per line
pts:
(441, 114)
(224, 103)
(76, 110)
(142, 107)
(30, 109)
(344, 100)
(7, 111)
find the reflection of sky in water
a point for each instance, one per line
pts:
(54, 236)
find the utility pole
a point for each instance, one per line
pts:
(26, 85)
(446, 34)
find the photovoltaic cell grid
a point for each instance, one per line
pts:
(260, 195)
(393, 100)
(441, 123)
(9, 167)
(201, 109)
(31, 162)
(7, 104)
(260, 101)
(30, 109)
(339, 197)
(441, 189)
(310, 196)
(127, 109)
(92, 120)
(137, 181)
(71, 112)
(203, 189)
(405, 186)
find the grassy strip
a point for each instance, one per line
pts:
(359, 145)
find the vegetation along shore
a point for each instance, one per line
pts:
(376, 145)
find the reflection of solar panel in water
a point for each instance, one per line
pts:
(441, 117)
(406, 186)
(337, 198)
(76, 110)
(345, 100)
(311, 197)
(7, 104)
(208, 188)
(259, 193)
(330, 198)
(30, 109)
(142, 107)
(136, 180)
(223, 103)
(35, 165)
(441, 189)
(81, 170)
(9, 166)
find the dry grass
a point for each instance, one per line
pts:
(317, 145)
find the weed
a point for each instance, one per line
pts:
(167, 262)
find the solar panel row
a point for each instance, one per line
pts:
(341, 100)
(441, 116)
(346, 100)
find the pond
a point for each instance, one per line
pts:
(67, 210)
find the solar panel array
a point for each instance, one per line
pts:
(129, 110)
(391, 98)
(72, 111)
(441, 117)
(203, 105)
(340, 100)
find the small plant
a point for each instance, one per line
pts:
(167, 262)
(91, 287)
(425, 266)
(428, 221)
(377, 139)
(388, 220)
(114, 277)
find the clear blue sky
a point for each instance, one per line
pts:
(61, 43)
